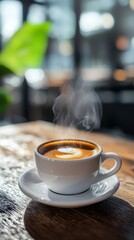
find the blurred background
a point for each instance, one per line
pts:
(90, 41)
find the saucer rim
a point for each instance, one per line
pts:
(72, 204)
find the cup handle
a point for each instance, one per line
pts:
(114, 169)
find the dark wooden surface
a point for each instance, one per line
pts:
(22, 218)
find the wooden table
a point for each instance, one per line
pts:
(22, 218)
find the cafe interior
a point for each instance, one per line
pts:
(66, 66)
(90, 43)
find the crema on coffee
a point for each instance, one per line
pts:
(68, 149)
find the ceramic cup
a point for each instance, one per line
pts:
(67, 174)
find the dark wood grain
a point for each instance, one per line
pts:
(111, 219)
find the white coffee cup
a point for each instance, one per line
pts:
(75, 174)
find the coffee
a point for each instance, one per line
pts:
(71, 166)
(68, 149)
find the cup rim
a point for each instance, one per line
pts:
(67, 160)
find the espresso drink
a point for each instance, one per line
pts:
(68, 149)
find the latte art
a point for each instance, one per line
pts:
(68, 152)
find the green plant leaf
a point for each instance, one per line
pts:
(5, 100)
(26, 48)
(4, 71)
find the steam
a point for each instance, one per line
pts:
(78, 107)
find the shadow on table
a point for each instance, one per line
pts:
(111, 219)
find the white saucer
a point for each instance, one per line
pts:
(33, 187)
